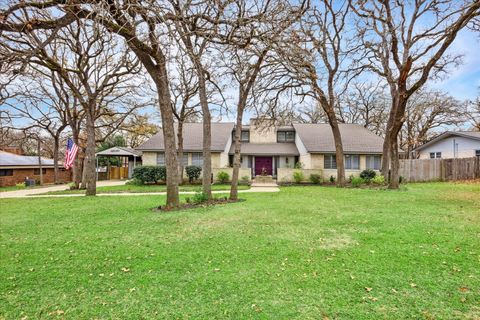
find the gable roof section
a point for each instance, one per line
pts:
(475, 135)
(9, 160)
(355, 138)
(119, 151)
(193, 138)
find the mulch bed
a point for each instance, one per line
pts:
(192, 205)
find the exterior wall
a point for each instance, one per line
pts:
(282, 162)
(216, 160)
(19, 176)
(316, 161)
(466, 148)
(305, 157)
(243, 172)
(149, 158)
(285, 175)
(259, 133)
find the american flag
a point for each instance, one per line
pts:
(70, 154)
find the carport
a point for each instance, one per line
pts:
(129, 159)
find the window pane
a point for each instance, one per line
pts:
(197, 159)
(377, 162)
(245, 136)
(290, 136)
(160, 159)
(6, 172)
(477, 153)
(373, 162)
(185, 159)
(330, 161)
(352, 161)
(439, 155)
(432, 155)
(281, 136)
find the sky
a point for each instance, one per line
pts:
(464, 81)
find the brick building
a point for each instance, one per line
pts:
(15, 168)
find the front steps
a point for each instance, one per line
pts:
(264, 181)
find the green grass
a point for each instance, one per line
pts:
(303, 253)
(144, 188)
(12, 188)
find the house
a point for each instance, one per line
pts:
(268, 149)
(15, 168)
(462, 144)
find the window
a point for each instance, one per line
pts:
(285, 136)
(352, 161)
(245, 137)
(374, 162)
(329, 161)
(160, 159)
(435, 155)
(36, 172)
(197, 159)
(6, 172)
(477, 153)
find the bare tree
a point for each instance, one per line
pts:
(472, 113)
(406, 44)
(426, 111)
(316, 54)
(143, 28)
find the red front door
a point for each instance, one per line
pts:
(263, 165)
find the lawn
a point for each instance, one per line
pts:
(145, 188)
(302, 253)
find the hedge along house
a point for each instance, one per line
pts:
(274, 150)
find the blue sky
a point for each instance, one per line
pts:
(464, 81)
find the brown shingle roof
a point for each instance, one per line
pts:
(266, 149)
(8, 159)
(192, 137)
(355, 138)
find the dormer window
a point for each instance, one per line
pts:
(245, 137)
(285, 136)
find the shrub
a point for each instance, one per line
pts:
(368, 174)
(298, 165)
(401, 179)
(223, 177)
(315, 178)
(245, 180)
(149, 174)
(20, 185)
(298, 176)
(200, 197)
(193, 173)
(378, 180)
(332, 179)
(357, 181)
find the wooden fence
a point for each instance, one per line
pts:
(414, 170)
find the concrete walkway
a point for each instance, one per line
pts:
(29, 193)
(35, 191)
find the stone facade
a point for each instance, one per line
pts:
(19, 176)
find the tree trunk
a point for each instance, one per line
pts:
(90, 170)
(56, 144)
(337, 137)
(237, 154)
(180, 151)
(171, 161)
(207, 135)
(40, 160)
(397, 124)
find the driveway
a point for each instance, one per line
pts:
(34, 191)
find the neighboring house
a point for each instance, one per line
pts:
(265, 148)
(462, 144)
(16, 168)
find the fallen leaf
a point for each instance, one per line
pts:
(368, 289)
(413, 285)
(463, 289)
(125, 269)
